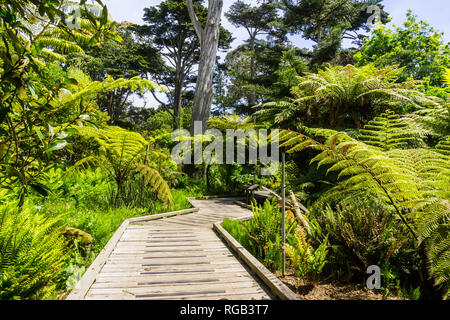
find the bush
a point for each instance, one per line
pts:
(261, 236)
(264, 228)
(31, 253)
(362, 232)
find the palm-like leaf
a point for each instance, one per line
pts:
(413, 181)
(338, 92)
(122, 153)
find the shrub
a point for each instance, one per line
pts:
(31, 253)
(261, 236)
(264, 228)
(362, 232)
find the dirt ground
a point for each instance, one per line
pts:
(326, 290)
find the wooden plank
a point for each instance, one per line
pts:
(162, 215)
(174, 277)
(173, 285)
(242, 274)
(175, 289)
(171, 252)
(175, 267)
(169, 260)
(247, 292)
(178, 272)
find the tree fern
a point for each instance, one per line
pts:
(414, 182)
(447, 77)
(158, 185)
(339, 94)
(122, 153)
(59, 45)
(232, 121)
(435, 232)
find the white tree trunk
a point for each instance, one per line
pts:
(209, 41)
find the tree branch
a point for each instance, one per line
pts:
(197, 27)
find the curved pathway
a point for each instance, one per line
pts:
(178, 257)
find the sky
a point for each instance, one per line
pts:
(436, 12)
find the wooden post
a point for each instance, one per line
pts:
(283, 210)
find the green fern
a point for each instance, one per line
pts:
(341, 93)
(447, 77)
(435, 232)
(387, 132)
(31, 254)
(444, 146)
(414, 182)
(122, 153)
(232, 121)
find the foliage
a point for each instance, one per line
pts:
(34, 113)
(413, 186)
(232, 121)
(249, 67)
(433, 120)
(328, 22)
(305, 260)
(444, 146)
(253, 83)
(122, 156)
(362, 232)
(119, 60)
(388, 131)
(338, 96)
(31, 253)
(435, 232)
(261, 235)
(416, 46)
(291, 66)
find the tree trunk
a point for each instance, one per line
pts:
(209, 41)
(356, 120)
(178, 100)
(252, 96)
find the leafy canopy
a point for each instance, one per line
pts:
(346, 96)
(416, 46)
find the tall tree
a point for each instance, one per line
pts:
(209, 42)
(169, 27)
(257, 20)
(328, 22)
(127, 59)
(243, 85)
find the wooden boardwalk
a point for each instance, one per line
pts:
(178, 257)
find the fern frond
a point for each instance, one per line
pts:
(444, 146)
(59, 45)
(153, 179)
